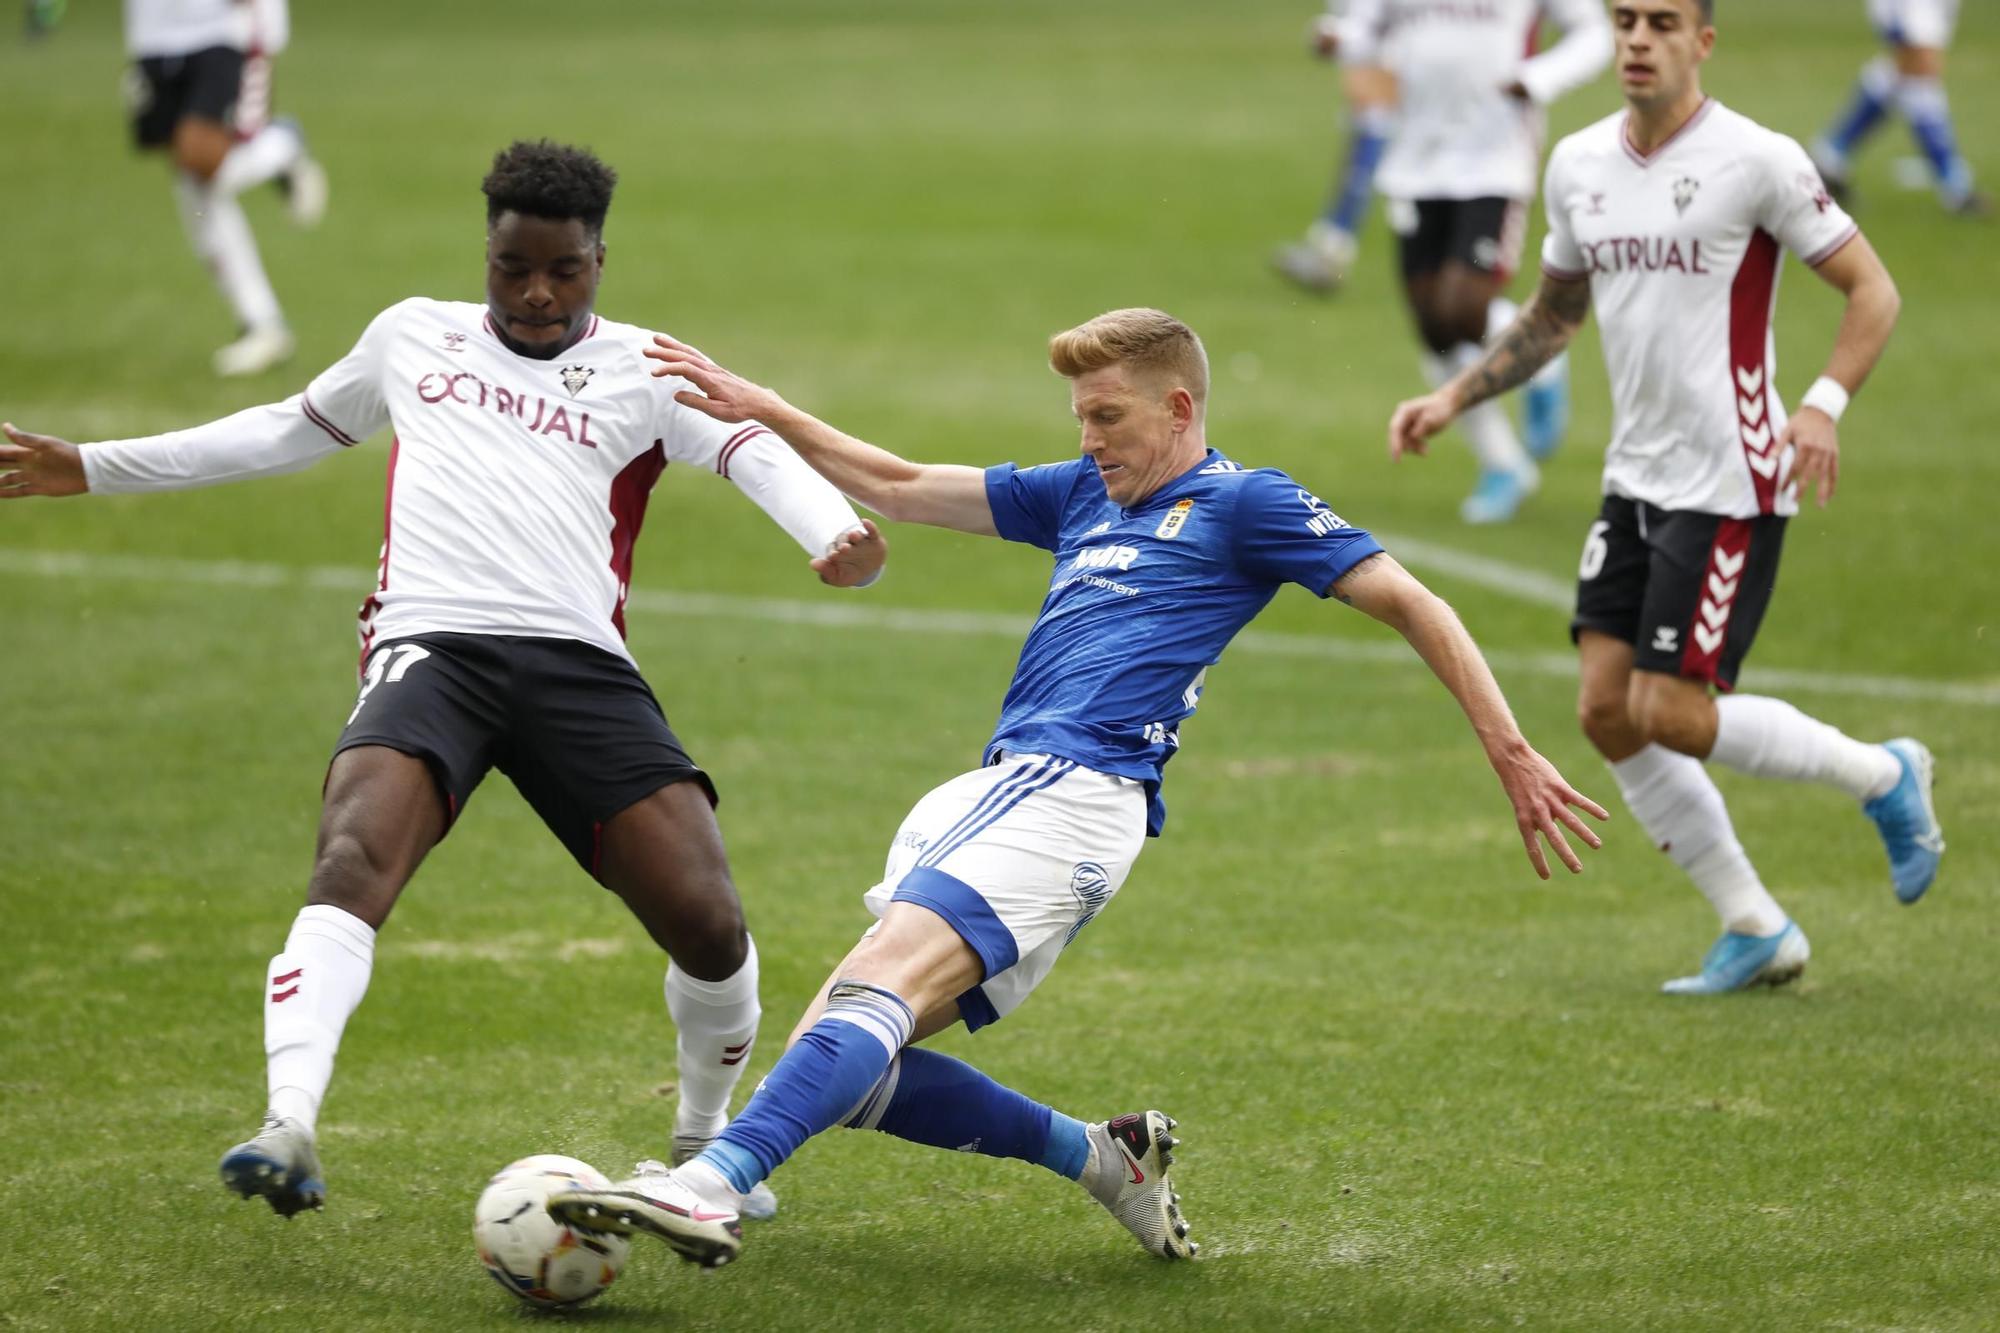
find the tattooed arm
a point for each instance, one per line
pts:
(1524, 347)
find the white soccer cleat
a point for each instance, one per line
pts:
(1134, 1152)
(306, 190)
(278, 1165)
(759, 1205)
(1321, 262)
(254, 353)
(653, 1202)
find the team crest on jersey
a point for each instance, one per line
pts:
(1596, 209)
(1323, 520)
(454, 342)
(1815, 189)
(575, 377)
(1176, 519)
(1684, 192)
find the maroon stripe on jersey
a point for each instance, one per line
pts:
(1647, 159)
(1709, 630)
(590, 332)
(318, 418)
(735, 443)
(1751, 298)
(374, 602)
(1826, 252)
(630, 490)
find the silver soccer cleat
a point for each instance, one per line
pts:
(652, 1202)
(279, 1165)
(1145, 1200)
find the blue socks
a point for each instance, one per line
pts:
(1348, 208)
(1873, 93)
(1923, 104)
(935, 1100)
(815, 1084)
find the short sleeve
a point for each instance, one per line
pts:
(1028, 502)
(1360, 27)
(1284, 533)
(1562, 258)
(1798, 210)
(345, 400)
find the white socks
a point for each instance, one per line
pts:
(1486, 426)
(716, 1023)
(1677, 803)
(1768, 738)
(267, 154)
(309, 993)
(221, 237)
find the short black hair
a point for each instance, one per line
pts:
(549, 180)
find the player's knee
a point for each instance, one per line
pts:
(1605, 722)
(1672, 718)
(711, 942)
(200, 153)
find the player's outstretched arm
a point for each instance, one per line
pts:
(1541, 797)
(943, 495)
(39, 465)
(1872, 305)
(1552, 317)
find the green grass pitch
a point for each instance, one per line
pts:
(1419, 1088)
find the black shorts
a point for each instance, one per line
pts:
(1686, 590)
(1484, 233)
(164, 90)
(573, 727)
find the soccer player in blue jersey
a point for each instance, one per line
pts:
(1164, 549)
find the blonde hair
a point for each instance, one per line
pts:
(1151, 341)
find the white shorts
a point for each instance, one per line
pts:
(1926, 23)
(1018, 856)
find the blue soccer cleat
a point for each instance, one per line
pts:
(1545, 409)
(1498, 495)
(1907, 821)
(1737, 962)
(279, 1166)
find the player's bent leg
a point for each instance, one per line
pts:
(381, 813)
(1453, 322)
(663, 855)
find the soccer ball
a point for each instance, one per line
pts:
(532, 1255)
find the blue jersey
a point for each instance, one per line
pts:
(1143, 601)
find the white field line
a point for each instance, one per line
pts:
(858, 611)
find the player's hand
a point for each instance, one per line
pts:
(1416, 420)
(1542, 799)
(39, 465)
(1324, 37)
(1815, 442)
(856, 558)
(724, 395)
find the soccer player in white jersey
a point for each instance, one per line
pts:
(1670, 218)
(528, 435)
(1909, 80)
(1164, 549)
(1459, 175)
(200, 88)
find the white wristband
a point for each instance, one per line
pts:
(1828, 395)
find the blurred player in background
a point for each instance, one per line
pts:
(1164, 549)
(528, 435)
(1670, 217)
(200, 88)
(1322, 261)
(1909, 79)
(1459, 176)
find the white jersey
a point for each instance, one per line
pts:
(516, 486)
(1458, 135)
(1681, 248)
(182, 27)
(1915, 22)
